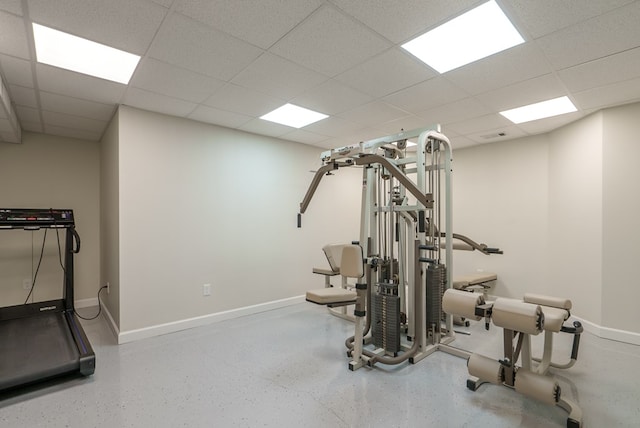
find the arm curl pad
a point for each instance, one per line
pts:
(555, 302)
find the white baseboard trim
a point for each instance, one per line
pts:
(172, 327)
(86, 303)
(610, 333)
(110, 321)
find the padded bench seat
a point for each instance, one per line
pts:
(331, 296)
(326, 272)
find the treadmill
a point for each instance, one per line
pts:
(43, 340)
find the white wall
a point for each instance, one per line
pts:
(500, 198)
(621, 227)
(50, 172)
(109, 224)
(563, 206)
(575, 216)
(204, 204)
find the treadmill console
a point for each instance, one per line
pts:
(35, 217)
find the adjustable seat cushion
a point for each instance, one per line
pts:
(351, 266)
(331, 295)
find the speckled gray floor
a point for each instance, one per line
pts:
(288, 368)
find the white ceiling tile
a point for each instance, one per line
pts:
(353, 137)
(23, 96)
(218, 117)
(460, 142)
(189, 64)
(306, 137)
(386, 73)
(496, 134)
(243, 100)
(12, 6)
(8, 137)
(595, 38)
(158, 103)
(329, 42)
(162, 78)
(366, 134)
(373, 113)
(165, 3)
(603, 71)
(129, 25)
(192, 45)
(542, 17)
(73, 133)
(334, 142)
(406, 123)
(76, 107)
(519, 63)
(278, 77)
(264, 127)
(399, 21)
(28, 114)
(262, 24)
(73, 122)
(31, 126)
(5, 125)
(523, 93)
(464, 109)
(76, 85)
(331, 97)
(478, 124)
(426, 95)
(333, 126)
(14, 37)
(16, 71)
(608, 95)
(550, 123)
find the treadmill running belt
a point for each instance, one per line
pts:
(36, 348)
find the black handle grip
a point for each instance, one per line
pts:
(76, 238)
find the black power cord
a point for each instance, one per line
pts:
(35, 276)
(76, 250)
(99, 307)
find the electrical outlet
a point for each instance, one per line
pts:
(108, 287)
(206, 289)
(26, 284)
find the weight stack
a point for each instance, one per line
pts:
(386, 322)
(436, 279)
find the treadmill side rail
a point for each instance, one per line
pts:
(87, 356)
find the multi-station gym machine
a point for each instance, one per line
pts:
(405, 255)
(406, 239)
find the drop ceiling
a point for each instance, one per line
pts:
(228, 62)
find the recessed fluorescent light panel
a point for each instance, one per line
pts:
(554, 107)
(471, 36)
(74, 53)
(294, 116)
